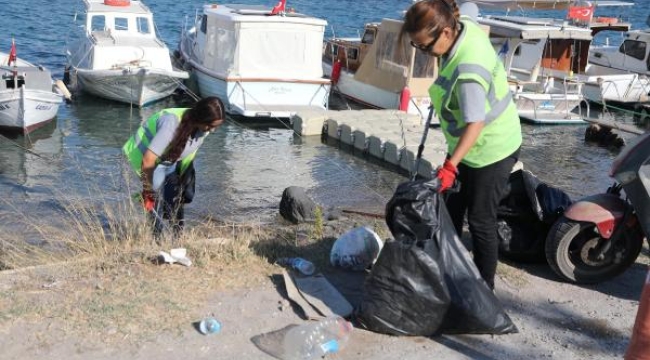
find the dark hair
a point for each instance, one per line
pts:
(204, 112)
(430, 15)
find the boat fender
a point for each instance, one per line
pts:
(117, 2)
(404, 99)
(336, 71)
(64, 90)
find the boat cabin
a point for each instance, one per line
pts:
(351, 51)
(238, 41)
(105, 19)
(632, 54)
(531, 46)
(118, 37)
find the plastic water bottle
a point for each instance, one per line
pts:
(209, 325)
(317, 339)
(300, 264)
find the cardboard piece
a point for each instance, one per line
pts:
(316, 296)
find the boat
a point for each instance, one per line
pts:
(118, 56)
(629, 60)
(260, 62)
(600, 85)
(29, 98)
(538, 55)
(376, 71)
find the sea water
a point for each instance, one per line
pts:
(243, 168)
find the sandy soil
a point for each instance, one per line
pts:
(556, 320)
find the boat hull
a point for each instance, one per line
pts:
(24, 110)
(603, 85)
(137, 86)
(372, 96)
(539, 108)
(263, 97)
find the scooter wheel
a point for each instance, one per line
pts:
(570, 247)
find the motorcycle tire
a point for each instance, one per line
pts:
(567, 251)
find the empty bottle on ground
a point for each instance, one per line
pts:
(300, 264)
(316, 339)
(209, 325)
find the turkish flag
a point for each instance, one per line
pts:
(581, 13)
(279, 7)
(12, 53)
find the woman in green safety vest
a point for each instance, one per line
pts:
(477, 116)
(162, 151)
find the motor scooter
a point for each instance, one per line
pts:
(600, 236)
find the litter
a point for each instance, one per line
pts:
(178, 255)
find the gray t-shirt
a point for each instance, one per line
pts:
(166, 128)
(471, 96)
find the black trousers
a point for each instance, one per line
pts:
(176, 191)
(481, 190)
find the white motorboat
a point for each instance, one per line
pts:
(118, 55)
(629, 60)
(29, 98)
(377, 72)
(538, 57)
(260, 62)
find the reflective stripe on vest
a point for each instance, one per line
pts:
(474, 59)
(138, 144)
(497, 106)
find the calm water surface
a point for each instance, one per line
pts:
(242, 169)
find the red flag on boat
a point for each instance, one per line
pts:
(581, 13)
(279, 7)
(12, 53)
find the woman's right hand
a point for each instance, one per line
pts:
(148, 200)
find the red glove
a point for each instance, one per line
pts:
(148, 200)
(447, 174)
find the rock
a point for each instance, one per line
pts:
(333, 214)
(296, 206)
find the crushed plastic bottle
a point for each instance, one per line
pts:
(209, 325)
(317, 339)
(304, 266)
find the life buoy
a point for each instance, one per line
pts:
(336, 71)
(117, 2)
(404, 99)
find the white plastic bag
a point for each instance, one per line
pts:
(356, 250)
(160, 173)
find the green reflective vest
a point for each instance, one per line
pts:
(476, 60)
(137, 144)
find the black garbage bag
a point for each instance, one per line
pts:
(424, 282)
(526, 214)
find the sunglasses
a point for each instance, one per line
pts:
(427, 47)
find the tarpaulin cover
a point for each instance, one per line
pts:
(424, 282)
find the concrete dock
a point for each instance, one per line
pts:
(391, 137)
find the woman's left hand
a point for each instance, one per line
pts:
(446, 174)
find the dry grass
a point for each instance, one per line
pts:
(95, 275)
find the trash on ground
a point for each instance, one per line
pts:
(315, 339)
(316, 296)
(209, 325)
(178, 255)
(425, 282)
(311, 340)
(305, 267)
(356, 249)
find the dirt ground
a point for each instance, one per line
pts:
(556, 320)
